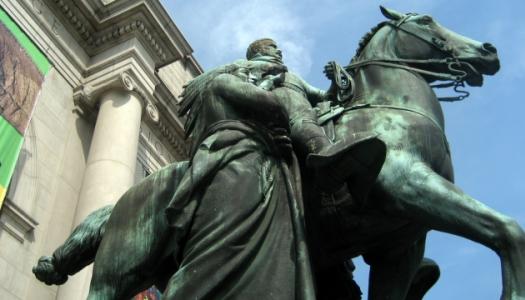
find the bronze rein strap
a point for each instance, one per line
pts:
(456, 76)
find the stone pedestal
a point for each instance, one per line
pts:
(110, 167)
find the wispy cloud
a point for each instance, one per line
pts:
(509, 37)
(245, 22)
(227, 27)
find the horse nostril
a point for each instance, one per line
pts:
(488, 47)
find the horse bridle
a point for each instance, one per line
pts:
(455, 78)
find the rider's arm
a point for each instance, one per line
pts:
(248, 96)
(313, 94)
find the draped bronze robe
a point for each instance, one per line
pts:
(239, 207)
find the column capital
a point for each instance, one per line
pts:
(88, 95)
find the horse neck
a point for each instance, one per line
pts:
(380, 85)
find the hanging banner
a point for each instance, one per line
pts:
(22, 71)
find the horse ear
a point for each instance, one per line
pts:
(390, 13)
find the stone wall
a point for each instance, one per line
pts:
(128, 51)
(175, 75)
(46, 190)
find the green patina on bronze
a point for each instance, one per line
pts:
(229, 224)
(414, 192)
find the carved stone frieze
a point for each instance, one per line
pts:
(137, 24)
(78, 22)
(128, 28)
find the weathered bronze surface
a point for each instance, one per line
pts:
(231, 222)
(414, 192)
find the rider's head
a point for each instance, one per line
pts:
(266, 47)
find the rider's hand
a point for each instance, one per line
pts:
(262, 68)
(283, 142)
(273, 69)
(329, 70)
(270, 82)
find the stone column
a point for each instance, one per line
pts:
(110, 166)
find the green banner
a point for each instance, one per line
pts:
(22, 71)
(10, 143)
(37, 57)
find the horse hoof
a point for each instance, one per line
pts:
(45, 271)
(427, 275)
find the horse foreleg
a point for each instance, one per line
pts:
(392, 271)
(435, 202)
(78, 250)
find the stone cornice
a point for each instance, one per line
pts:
(79, 22)
(97, 26)
(129, 28)
(120, 9)
(96, 37)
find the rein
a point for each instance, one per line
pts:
(456, 75)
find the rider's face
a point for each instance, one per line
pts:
(272, 50)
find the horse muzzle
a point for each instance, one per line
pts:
(486, 60)
(490, 63)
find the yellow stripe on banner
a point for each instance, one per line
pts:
(2, 195)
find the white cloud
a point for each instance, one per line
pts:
(227, 27)
(245, 22)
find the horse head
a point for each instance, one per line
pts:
(420, 42)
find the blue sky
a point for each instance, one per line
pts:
(485, 131)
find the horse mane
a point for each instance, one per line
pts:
(366, 39)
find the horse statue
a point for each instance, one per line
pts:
(414, 192)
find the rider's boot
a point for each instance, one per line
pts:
(356, 160)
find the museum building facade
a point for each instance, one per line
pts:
(104, 118)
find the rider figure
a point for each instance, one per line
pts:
(334, 162)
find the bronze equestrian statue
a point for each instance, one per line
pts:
(390, 96)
